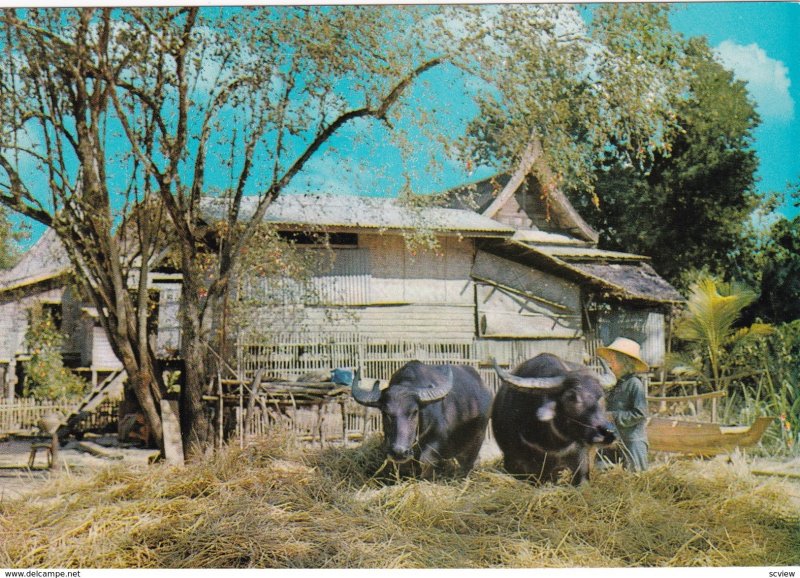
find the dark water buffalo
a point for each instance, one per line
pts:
(431, 413)
(546, 415)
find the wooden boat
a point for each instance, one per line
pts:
(667, 434)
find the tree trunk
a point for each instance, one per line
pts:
(195, 425)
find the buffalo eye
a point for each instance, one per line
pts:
(574, 400)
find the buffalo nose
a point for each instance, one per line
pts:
(399, 454)
(608, 434)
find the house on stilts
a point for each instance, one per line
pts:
(507, 277)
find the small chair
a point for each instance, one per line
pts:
(35, 447)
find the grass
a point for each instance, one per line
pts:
(275, 505)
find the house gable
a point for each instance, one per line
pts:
(526, 208)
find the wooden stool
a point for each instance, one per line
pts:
(35, 447)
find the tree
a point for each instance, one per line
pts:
(690, 208)
(568, 95)
(779, 301)
(10, 238)
(190, 102)
(711, 325)
(46, 377)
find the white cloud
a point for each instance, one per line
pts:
(767, 79)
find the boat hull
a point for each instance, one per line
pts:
(702, 438)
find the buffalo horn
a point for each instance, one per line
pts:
(540, 383)
(369, 398)
(607, 378)
(437, 391)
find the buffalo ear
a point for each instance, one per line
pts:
(547, 411)
(369, 398)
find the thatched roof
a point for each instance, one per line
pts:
(614, 276)
(637, 280)
(554, 213)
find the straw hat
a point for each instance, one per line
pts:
(626, 347)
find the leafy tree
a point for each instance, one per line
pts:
(10, 237)
(567, 94)
(690, 208)
(189, 102)
(779, 301)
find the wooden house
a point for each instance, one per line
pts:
(507, 279)
(42, 279)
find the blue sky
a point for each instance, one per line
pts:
(760, 42)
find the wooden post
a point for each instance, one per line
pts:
(251, 401)
(221, 409)
(344, 423)
(173, 444)
(698, 405)
(54, 454)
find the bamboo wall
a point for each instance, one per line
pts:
(291, 355)
(648, 328)
(168, 341)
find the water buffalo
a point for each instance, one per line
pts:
(431, 413)
(547, 414)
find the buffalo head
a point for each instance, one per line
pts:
(572, 402)
(400, 405)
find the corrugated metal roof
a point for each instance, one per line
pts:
(353, 212)
(547, 238)
(45, 260)
(587, 253)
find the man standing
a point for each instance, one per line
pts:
(626, 402)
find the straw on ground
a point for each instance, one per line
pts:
(277, 506)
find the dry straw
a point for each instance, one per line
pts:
(277, 506)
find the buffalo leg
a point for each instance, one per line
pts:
(429, 458)
(468, 457)
(579, 465)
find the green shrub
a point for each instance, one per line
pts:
(45, 374)
(775, 390)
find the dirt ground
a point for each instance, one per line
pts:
(17, 479)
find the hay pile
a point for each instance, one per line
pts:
(279, 507)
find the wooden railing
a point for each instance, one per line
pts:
(667, 404)
(23, 415)
(335, 421)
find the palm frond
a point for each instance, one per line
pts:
(712, 310)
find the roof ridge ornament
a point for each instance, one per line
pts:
(533, 156)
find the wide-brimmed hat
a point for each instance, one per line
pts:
(627, 347)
